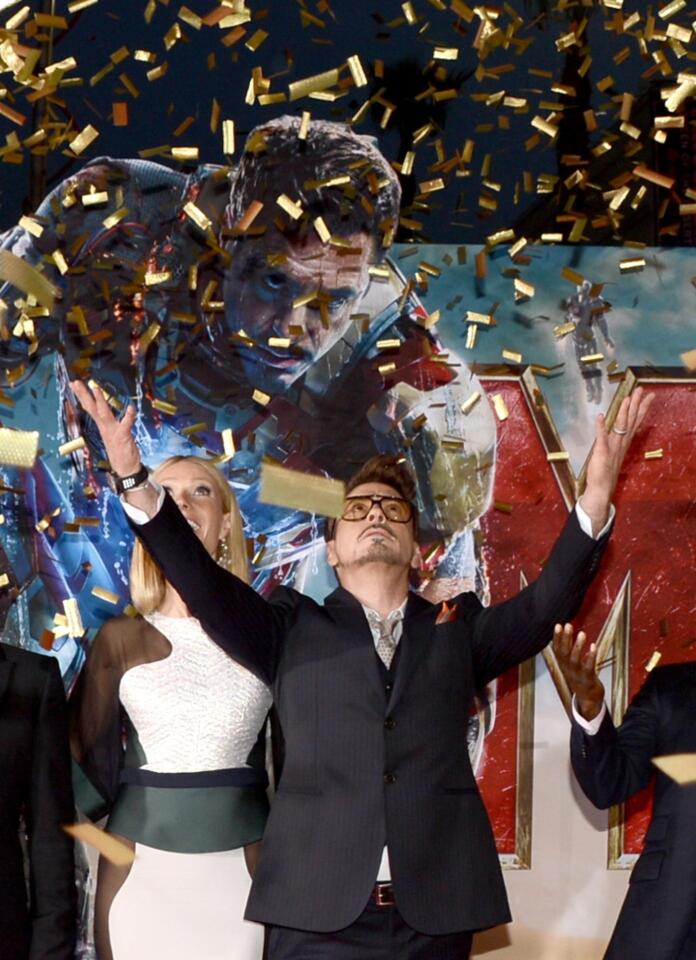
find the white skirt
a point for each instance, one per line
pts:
(184, 906)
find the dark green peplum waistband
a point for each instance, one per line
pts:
(190, 819)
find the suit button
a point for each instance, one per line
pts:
(388, 687)
(390, 723)
(389, 778)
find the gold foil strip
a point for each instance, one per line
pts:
(356, 71)
(108, 846)
(71, 446)
(500, 407)
(558, 456)
(18, 448)
(512, 355)
(680, 767)
(314, 84)
(83, 140)
(654, 454)
(689, 359)
(74, 620)
(196, 215)
(655, 658)
(592, 358)
(258, 396)
(27, 278)
(301, 491)
(293, 209)
(108, 596)
(471, 401)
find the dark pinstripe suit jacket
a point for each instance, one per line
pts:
(35, 781)
(352, 781)
(613, 765)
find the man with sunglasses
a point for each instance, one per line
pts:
(378, 844)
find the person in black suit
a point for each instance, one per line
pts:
(658, 917)
(378, 839)
(35, 782)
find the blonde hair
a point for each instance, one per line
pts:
(147, 582)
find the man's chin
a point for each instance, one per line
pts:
(383, 553)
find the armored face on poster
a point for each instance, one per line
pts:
(251, 312)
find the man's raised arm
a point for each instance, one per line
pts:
(245, 625)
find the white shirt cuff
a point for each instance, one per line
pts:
(138, 516)
(586, 523)
(589, 726)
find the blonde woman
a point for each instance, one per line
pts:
(166, 732)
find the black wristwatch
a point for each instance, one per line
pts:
(123, 484)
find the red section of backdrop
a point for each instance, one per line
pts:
(653, 538)
(516, 543)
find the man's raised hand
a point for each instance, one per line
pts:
(608, 453)
(577, 661)
(117, 435)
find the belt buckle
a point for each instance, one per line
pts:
(384, 895)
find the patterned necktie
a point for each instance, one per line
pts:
(386, 644)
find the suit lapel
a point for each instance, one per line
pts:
(347, 612)
(6, 669)
(418, 626)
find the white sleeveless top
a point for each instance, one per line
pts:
(197, 709)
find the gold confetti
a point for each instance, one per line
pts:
(654, 454)
(558, 456)
(301, 491)
(671, 8)
(249, 215)
(523, 290)
(228, 136)
(659, 179)
(195, 214)
(228, 443)
(108, 596)
(115, 217)
(74, 620)
(18, 448)
(471, 334)
(389, 344)
(512, 355)
(293, 209)
(356, 71)
(27, 278)
(164, 406)
(385, 368)
(283, 342)
(314, 84)
(4, 580)
(80, 143)
(655, 658)
(689, 359)
(322, 230)
(632, 265)
(113, 850)
(471, 401)
(500, 407)
(304, 125)
(485, 318)
(563, 329)
(71, 446)
(680, 767)
(94, 198)
(258, 396)
(445, 53)
(592, 358)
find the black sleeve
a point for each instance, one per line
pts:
(614, 764)
(508, 633)
(96, 725)
(52, 868)
(245, 625)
